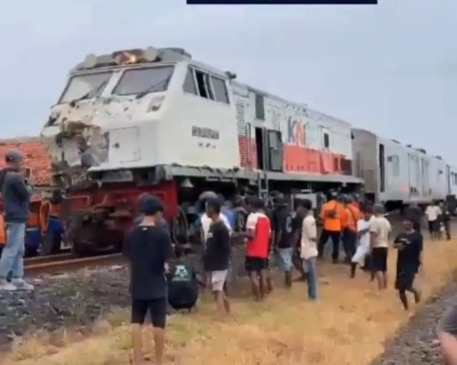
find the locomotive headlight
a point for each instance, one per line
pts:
(155, 104)
(133, 56)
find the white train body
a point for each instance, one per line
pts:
(452, 177)
(175, 112)
(183, 114)
(397, 173)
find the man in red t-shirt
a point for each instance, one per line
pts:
(258, 231)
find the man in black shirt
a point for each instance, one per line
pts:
(409, 259)
(297, 226)
(148, 248)
(217, 255)
(283, 238)
(182, 284)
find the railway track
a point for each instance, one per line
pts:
(67, 262)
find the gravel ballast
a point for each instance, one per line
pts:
(417, 342)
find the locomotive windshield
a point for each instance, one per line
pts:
(85, 86)
(144, 80)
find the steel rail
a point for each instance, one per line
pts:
(64, 265)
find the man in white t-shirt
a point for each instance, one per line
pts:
(432, 213)
(363, 238)
(308, 246)
(206, 223)
(379, 240)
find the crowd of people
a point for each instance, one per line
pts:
(287, 236)
(160, 277)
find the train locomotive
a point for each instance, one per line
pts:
(158, 121)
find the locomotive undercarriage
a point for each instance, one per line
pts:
(99, 210)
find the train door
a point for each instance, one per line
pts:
(275, 151)
(269, 149)
(414, 175)
(260, 147)
(382, 168)
(411, 175)
(325, 138)
(269, 156)
(425, 178)
(422, 168)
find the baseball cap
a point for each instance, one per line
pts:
(150, 205)
(13, 156)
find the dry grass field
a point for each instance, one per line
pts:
(348, 325)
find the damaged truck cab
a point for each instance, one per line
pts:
(131, 122)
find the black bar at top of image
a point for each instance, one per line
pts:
(282, 2)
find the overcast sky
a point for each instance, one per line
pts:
(391, 68)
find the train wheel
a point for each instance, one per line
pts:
(79, 249)
(31, 252)
(180, 230)
(51, 244)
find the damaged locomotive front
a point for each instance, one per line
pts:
(103, 127)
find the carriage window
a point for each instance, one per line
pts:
(326, 140)
(259, 107)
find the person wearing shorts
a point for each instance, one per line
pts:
(217, 255)
(379, 239)
(432, 213)
(258, 231)
(148, 247)
(409, 245)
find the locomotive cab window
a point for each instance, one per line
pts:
(203, 85)
(206, 86)
(139, 81)
(189, 86)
